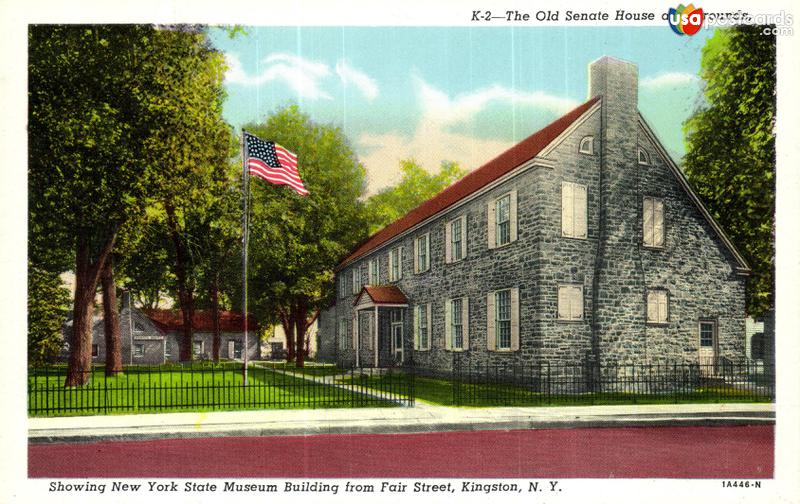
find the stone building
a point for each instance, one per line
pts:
(582, 243)
(151, 336)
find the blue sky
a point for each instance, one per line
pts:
(452, 93)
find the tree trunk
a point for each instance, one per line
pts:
(185, 295)
(301, 324)
(87, 275)
(214, 294)
(287, 321)
(111, 320)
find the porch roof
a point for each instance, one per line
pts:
(382, 295)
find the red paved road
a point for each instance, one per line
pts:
(736, 452)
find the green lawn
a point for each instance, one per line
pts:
(440, 391)
(177, 388)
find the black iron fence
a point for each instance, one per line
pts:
(206, 386)
(480, 383)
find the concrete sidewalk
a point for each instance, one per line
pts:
(421, 418)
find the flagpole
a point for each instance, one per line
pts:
(245, 194)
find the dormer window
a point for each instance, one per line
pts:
(644, 157)
(587, 145)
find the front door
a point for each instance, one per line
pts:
(231, 349)
(708, 347)
(397, 343)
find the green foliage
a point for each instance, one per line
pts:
(296, 241)
(730, 149)
(48, 304)
(88, 89)
(123, 118)
(416, 186)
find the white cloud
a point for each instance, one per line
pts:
(669, 80)
(441, 108)
(302, 76)
(362, 81)
(434, 139)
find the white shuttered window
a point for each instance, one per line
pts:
(456, 323)
(657, 306)
(396, 264)
(502, 320)
(570, 302)
(653, 221)
(374, 272)
(422, 324)
(573, 210)
(422, 253)
(502, 220)
(455, 240)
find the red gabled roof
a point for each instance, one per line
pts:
(382, 294)
(504, 163)
(229, 321)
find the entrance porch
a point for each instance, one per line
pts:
(379, 326)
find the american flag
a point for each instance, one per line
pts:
(273, 163)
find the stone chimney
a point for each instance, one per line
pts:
(619, 279)
(126, 299)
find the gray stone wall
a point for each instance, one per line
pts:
(327, 338)
(611, 263)
(207, 340)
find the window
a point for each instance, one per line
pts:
(422, 246)
(95, 350)
(653, 221)
(657, 306)
(587, 145)
(396, 264)
(343, 334)
(237, 349)
(707, 334)
(197, 346)
(502, 220)
(138, 349)
(374, 272)
(357, 280)
(456, 239)
(503, 319)
(570, 302)
(457, 324)
(644, 157)
(138, 327)
(422, 317)
(342, 286)
(573, 210)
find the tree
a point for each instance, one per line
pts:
(296, 241)
(48, 305)
(191, 150)
(416, 186)
(730, 149)
(85, 171)
(104, 103)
